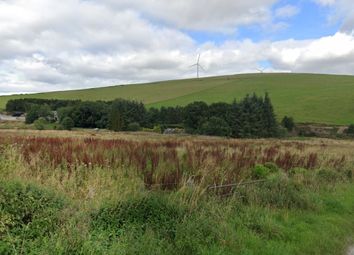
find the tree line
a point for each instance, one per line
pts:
(253, 116)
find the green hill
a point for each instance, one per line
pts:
(307, 97)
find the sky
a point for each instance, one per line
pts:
(48, 45)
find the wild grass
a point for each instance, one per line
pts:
(74, 193)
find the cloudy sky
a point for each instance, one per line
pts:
(48, 45)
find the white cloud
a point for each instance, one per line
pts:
(332, 54)
(287, 11)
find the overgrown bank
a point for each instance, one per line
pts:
(155, 223)
(298, 201)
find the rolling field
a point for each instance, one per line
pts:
(307, 97)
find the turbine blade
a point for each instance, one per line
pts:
(198, 58)
(201, 67)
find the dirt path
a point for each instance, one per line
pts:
(351, 251)
(10, 118)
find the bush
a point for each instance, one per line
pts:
(67, 123)
(36, 111)
(288, 123)
(197, 234)
(27, 213)
(260, 172)
(273, 168)
(157, 129)
(328, 176)
(134, 127)
(149, 212)
(40, 123)
(283, 193)
(350, 130)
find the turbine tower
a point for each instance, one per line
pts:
(198, 66)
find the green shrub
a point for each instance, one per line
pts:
(197, 233)
(67, 123)
(328, 176)
(40, 123)
(152, 211)
(27, 213)
(261, 223)
(283, 193)
(260, 172)
(288, 123)
(301, 175)
(157, 129)
(273, 168)
(134, 127)
(277, 191)
(37, 111)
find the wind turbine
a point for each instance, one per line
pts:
(260, 70)
(198, 66)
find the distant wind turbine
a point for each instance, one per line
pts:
(198, 66)
(260, 70)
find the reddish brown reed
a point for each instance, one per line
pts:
(165, 163)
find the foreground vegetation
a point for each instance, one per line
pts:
(311, 98)
(81, 193)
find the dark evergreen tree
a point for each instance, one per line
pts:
(116, 120)
(194, 116)
(256, 116)
(123, 112)
(234, 119)
(270, 123)
(288, 123)
(152, 117)
(216, 126)
(245, 117)
(220, 110)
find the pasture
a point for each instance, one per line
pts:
(85, 192)
(310, 98)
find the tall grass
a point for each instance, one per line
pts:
(175, 195)
(169, 164)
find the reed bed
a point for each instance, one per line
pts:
(171, 162)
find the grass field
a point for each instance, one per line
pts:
(78, 192)
(307, 97)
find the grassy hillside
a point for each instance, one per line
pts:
(306, 97)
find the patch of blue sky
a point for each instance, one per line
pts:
(311, 22)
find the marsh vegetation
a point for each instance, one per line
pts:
(86, 193)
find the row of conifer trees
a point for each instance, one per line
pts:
(253, 116)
